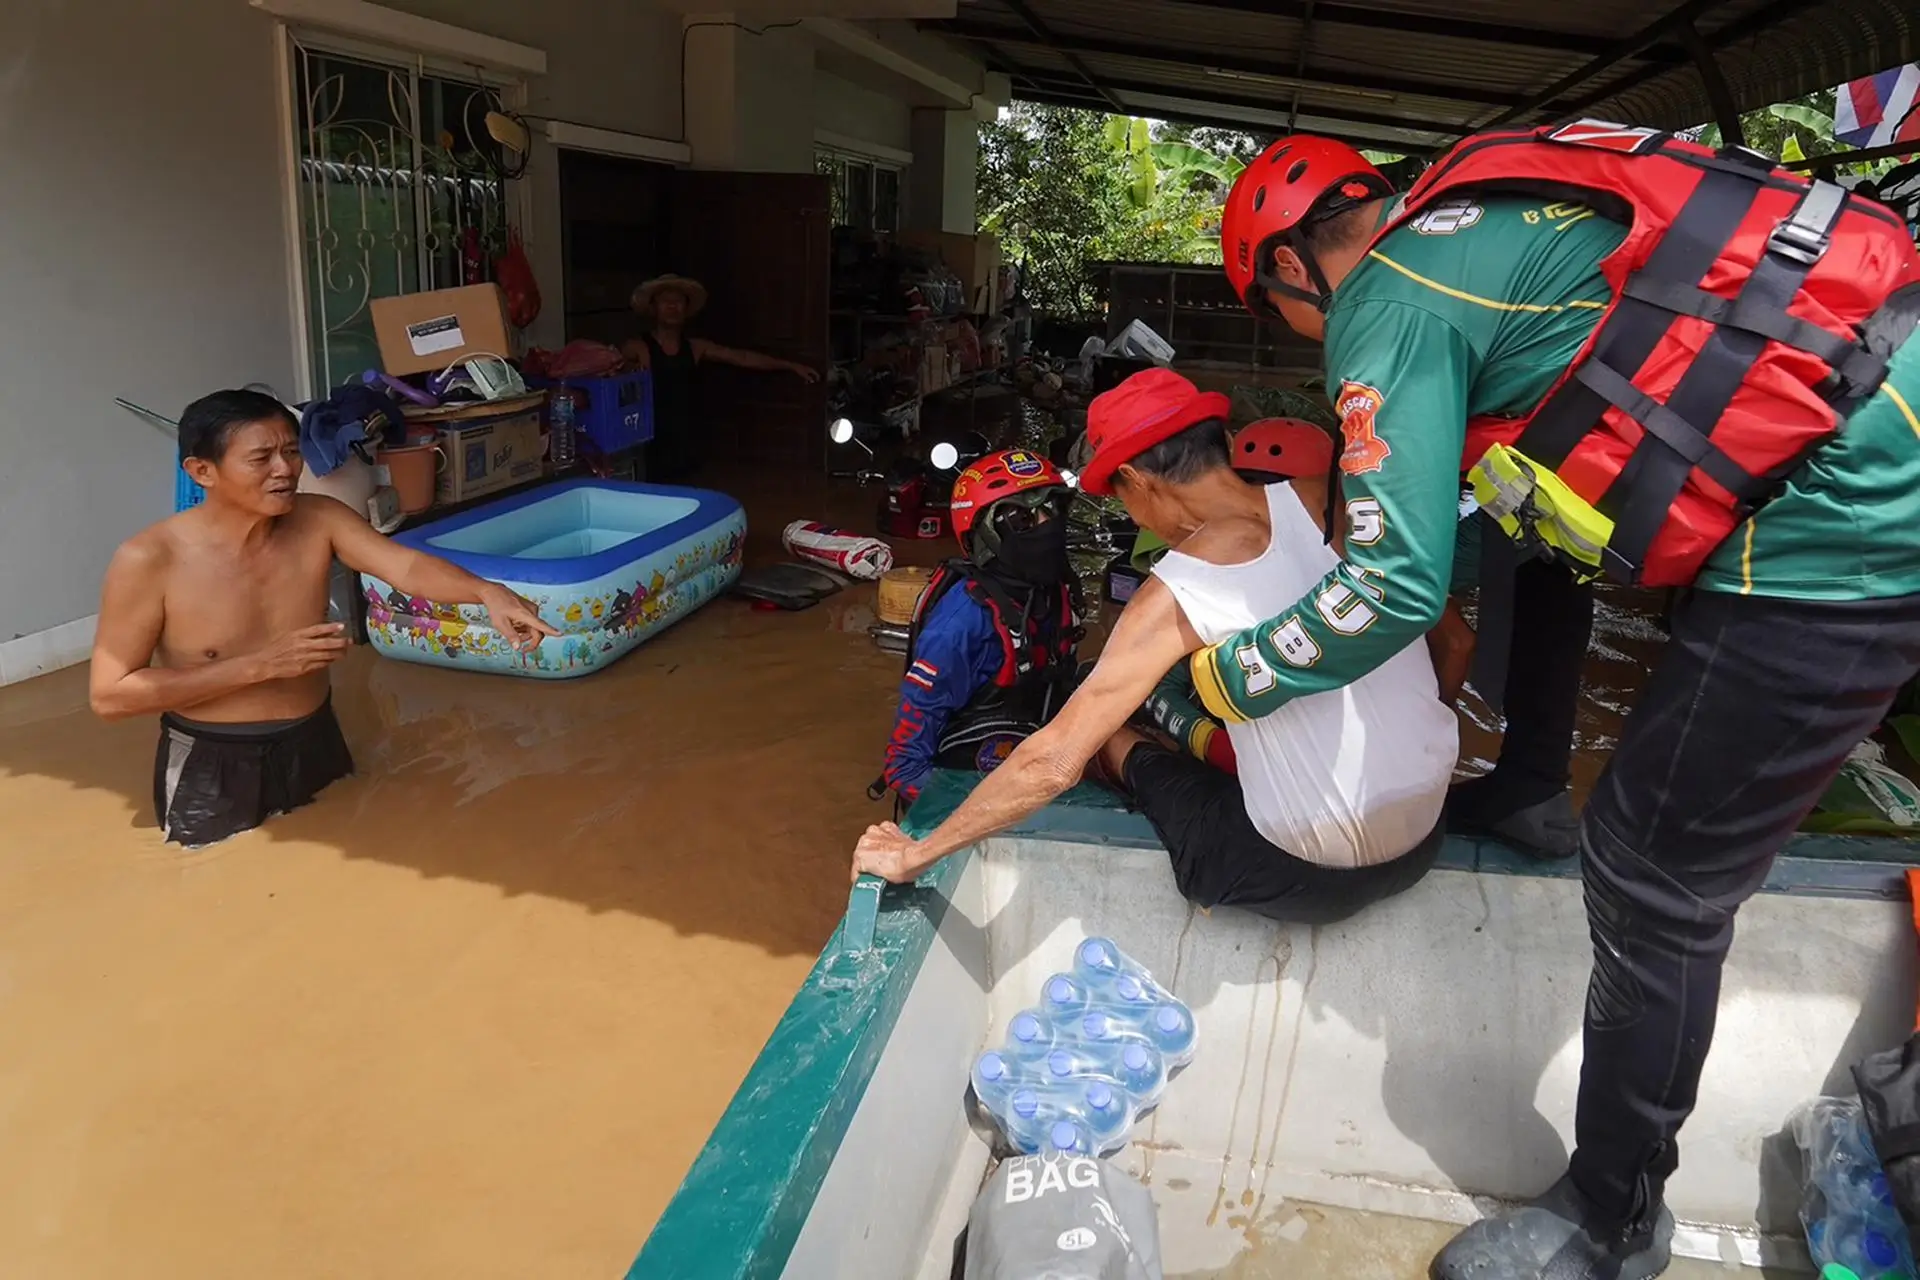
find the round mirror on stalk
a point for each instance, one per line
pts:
(840, 431)
(944, 456)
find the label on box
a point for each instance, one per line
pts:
(442, 333)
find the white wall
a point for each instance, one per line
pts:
(856, 111)
(141, 255)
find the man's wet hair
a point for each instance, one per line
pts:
(1186, 457)
(208, 424)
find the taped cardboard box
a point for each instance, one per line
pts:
(489, 455)
(426, 332)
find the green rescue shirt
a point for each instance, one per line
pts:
(1477, 307)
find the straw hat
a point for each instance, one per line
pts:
(692, 290)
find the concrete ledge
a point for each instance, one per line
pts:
(67, 645)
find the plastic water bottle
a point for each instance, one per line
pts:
(1064, 997)
(562, 420)
(1111, 976)
(1141, 1071)
(1068, 1137)
(1170, 1029)
(1850, 1243)
(1024, 1124)
(994, 1081)
(1100, 1026)
(1029, 1038)
(1104, 1110)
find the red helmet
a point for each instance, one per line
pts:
(1295, 181)
(996, 476)
(1282, 448)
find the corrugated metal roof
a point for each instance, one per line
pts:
(1428, 68)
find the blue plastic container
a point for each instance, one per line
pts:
(618, 413)
(186, 493)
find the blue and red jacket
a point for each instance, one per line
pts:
(985, 668)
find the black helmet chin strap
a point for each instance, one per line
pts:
(1264, 277)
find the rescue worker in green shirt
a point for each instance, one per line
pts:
(1740, 422)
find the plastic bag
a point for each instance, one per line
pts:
(1847, 1208)
(515, 276)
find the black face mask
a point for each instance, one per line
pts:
(1036, 557)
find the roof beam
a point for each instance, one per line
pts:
(1051, 81)
(1755, 23)
(1208, 120)
(1608, 58)
(1025, 13)
(1355, 15)
(992, 33)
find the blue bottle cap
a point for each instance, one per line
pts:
(1879, 1250)
(1064, 1137)
(1880, 1190)
(1130, 987)
(1024, 1028)
(1095, 954)
(1094, 1026)
(1135, 1056)
(992, 1067)
(1025, 1103)
(1060, 989)
(1099, 1095)
(1168, 1019)
(1060, 1062)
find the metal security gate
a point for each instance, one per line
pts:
(400, 188)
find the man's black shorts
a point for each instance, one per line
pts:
(211, 781)
(1220, 859)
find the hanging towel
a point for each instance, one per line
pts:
(354, 419)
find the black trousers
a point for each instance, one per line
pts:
(1220, 859)
(1552, 622)
(212, 781)
(1750, 713)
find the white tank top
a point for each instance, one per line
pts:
(1346, 778)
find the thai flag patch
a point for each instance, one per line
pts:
(923, 673)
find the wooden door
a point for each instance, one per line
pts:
(614, 233)
(760, 243)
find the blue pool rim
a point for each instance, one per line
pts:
(710, 509)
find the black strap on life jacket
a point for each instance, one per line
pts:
(1666, 287)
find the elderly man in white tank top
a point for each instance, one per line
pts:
(1339, 795)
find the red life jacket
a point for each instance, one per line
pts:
(1751, 313)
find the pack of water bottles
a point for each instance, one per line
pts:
(1853, 1230)
(1077, 1069)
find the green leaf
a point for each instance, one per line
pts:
(1117, 128)
(1790, 150)
(1814, 121)
(1142, 137)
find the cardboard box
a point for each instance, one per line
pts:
(426, 332)
(975, 259)
(490, 455)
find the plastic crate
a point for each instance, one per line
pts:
(186, 493)
(619, 411)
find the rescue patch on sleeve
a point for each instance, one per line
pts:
(1359, 408)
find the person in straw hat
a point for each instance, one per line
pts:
(667, 303)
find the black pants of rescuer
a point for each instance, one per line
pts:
(1749, 715)
(211, 781)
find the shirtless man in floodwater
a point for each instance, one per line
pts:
(215, 620)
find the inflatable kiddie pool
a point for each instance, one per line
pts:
(1355, 1083)
(609, 563)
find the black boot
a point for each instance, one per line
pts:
(1560, 1236)
(1547, 829)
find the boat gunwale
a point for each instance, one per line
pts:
(742, 1205)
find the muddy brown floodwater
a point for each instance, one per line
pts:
(473, 1012)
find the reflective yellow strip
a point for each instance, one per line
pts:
(1746, 562)
(1534, 308)
(1900, 403)
(1211, 689)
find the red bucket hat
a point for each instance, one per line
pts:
(1150, 408)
